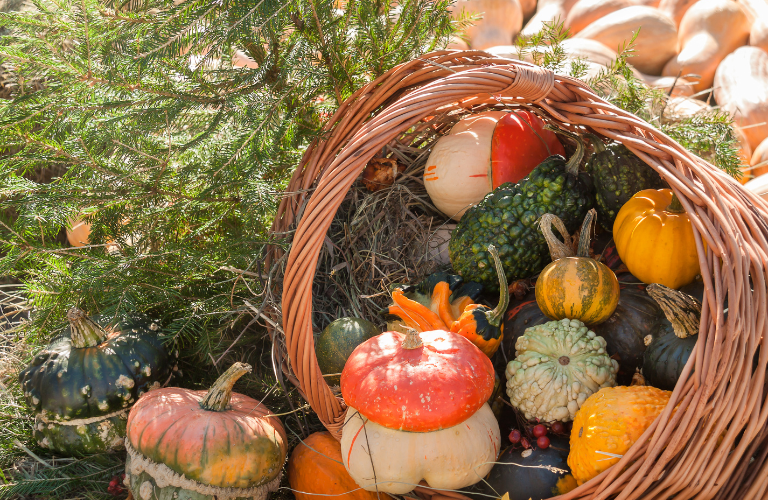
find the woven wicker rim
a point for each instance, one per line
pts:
(719, 392)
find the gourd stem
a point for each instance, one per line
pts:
(220, 392)
(680, 309)
(495, 316)
(598, 146)
(557, 249)
(85, 333)
(585, 237)
(675, 206)
(412, 340)
(572, 166)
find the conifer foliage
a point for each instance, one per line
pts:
(174, 128)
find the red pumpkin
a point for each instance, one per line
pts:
(390, 384)
(482, 152)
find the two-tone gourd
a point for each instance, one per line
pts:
(204, 445)
(417, 410)
(482, 152)
(82, 385)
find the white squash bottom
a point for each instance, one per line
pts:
(450, 458)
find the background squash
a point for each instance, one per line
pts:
(557, 366)
(204, 445)
(611, 420)
(337, 341)
(655, 45)
(741, 89)
(315, 469)
(709, 31)
(676, 9)
(83, 383)
(585, 12)
(501, 21)
(654, 238)
(546, 12)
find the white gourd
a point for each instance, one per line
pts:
(558, 365)
(447, 459)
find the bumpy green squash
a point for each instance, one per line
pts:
(507, 219)
(336, 343)
(82, 385)
(617, 174)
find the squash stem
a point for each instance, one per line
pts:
(557, 249)
(585, 237)
(572, 166)
(680, 309)
(220, 392)
(675, 206)
(598, 146)
(412, 340)
(495, 316)
(85, 333)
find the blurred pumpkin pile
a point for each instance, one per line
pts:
(704, 53)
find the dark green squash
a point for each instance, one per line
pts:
(671, 344)
(337, 341)
(533, 477)
(83, 383)
(617, 174)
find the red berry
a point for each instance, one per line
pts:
(539, 430)
(543, 442)
(525, 443)
(557, 427)
(515, 436)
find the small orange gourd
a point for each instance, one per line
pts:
(575, 286)
(654, 239)
(481, 324)
(316, 470)
(608, 424)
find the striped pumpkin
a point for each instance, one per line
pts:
(575, 287)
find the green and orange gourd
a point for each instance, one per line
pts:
(200, 445)
(477, 322)
(575, 286)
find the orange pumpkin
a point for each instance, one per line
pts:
(209, 443)
(316, 468)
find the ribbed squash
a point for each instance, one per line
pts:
(654, 238)
(316, 469)
(671, 345)
(204, 445)
(575, 287)
(82, 385)
(610, 421)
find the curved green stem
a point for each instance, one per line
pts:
(585, 237)
(85, 333)
(220, 392)
(572, 166)
(598, 146)
(495, 316)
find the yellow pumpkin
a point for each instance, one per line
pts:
(654, 239)
(575, 286)
(608, 424)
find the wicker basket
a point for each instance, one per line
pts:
(721, 392)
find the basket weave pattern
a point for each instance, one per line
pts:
(720, 392)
